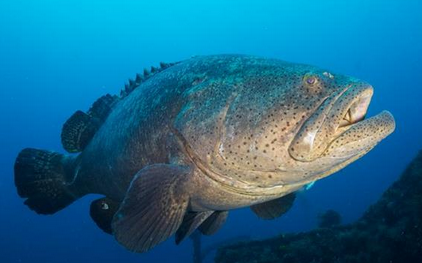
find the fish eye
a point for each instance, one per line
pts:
(310, 80)
(104, 206)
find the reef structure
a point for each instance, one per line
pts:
(389, 231)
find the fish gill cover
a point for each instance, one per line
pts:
(59, 60)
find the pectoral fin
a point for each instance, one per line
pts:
(274, 208)
(153, 208)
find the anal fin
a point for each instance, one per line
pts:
(191, 221)
(153, 208)
(213, 223)
(274, 208)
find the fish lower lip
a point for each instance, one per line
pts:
(365, 134)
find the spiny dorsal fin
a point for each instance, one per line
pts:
(141, 78)
(138, 79)
(79, 129)
(146, 73)
(164, 65)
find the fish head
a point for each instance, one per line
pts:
(299, 123)
(337, 132)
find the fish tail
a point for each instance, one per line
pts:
(41, 177)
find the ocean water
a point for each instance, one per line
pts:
(57, 57)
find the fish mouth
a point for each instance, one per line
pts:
(361, 136)
(356, 109)
(341, 127)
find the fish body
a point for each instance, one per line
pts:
(186, 143)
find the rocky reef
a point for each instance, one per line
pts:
(389, 231)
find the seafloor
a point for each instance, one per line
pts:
(389, 231)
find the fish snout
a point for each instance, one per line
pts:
(337, 115)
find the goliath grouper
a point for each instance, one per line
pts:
(186, 142)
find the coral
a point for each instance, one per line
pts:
(389, 231)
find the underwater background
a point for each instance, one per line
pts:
(57, 57)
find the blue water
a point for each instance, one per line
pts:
(59, 56)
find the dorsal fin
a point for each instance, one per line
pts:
(138, 79)
(146, 73)
(79, 129)
(102, 107)
(141, 78)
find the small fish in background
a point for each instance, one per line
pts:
(184, 143)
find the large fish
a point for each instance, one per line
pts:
(186, 142)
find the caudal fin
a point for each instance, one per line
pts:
(40, 177)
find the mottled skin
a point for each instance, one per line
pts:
(236, 130)
(233, 119)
